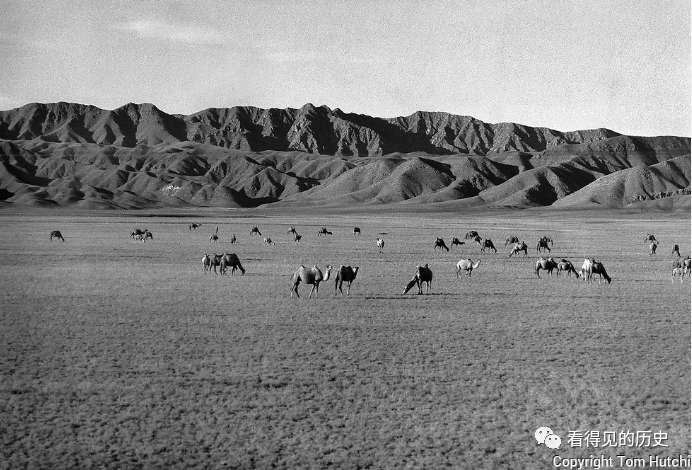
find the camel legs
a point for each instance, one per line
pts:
(315, 289)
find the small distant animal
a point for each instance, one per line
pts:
(148, 234)
(297, 238)
(471, 234)
(56, 234)
(511, 239)
(323, 231)
(542, 244)
(565, 265)
(675, 250)
(255, 231)
(214, 237)
(650, 238)
(356, 231)
(440, 243)
(423, 275)
(193, 226)
(136, 232)
(269, 241)
(233, 239)
(680, 268)
(456, 241)
(292, 230)
(380, 244)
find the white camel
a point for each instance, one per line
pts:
(591, 267)
(345, 274)
(380, 244)
(519, 247)
(309, 276)
(467, 265)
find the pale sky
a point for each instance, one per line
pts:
(563, 64)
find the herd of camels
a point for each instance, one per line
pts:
(423, 275)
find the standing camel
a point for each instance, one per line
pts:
(650, 238)
(233, 238)
(345, 274)
(293, 231)
(423, 275)
(193, 226)
(652, 248)
(214, 237)
(542, 245)
(519, 247)
(440, 243)
(547, 264)
(309, 276)
(212, 262)
(356, 230)
(467, 265)
(56, 234)
(380, 244)
(675, 250)
(297, 238)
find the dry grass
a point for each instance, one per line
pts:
(118, 354)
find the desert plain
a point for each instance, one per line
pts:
(120, 354)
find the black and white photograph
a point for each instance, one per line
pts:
(345, 234)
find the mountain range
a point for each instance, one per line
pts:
(137, 156)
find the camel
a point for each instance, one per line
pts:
(467, 265)
(511, 239)
(233, 238)
(345, 274)
(652, 248)
(519, 247)
(677, 271)
(542, 245)
(675, 250)
(297, 238)
(548, 264)
(456, 241)
(231, 259)
(147, 234)
(478, 239)
(206, 263)
(591, 267)
(56, 234)
(487, 244)
(565, 265)
(356, 230)
(423, 275)
(471, 234)
(323, 231)
(193, 226)
(682, 266)
(380, 244)
(255, 231)
(269, 241)
(650, 238)
(292, 230)
(309, 276)
(214, 237)
(440, 243)
(136, 232)
(210, 262)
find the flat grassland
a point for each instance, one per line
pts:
(120, 354)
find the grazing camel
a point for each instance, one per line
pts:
(511, 239)
(255, 231)
(356, 230)
(214, 237)
(440, 243)
(231, 259)
(565, 265)
(548, 264)
(650, 238)
(487, 244)
(136, 232)
(423, 275)
(297, 238)
(542, 245)
(456, 241)
(56, 234)
(478, 239)
(652, 248)
(309, 276)
(269, 241)
(380, 244)
(292, 230)
(323, 231)
(212, 262)
(519, 247)
(467, 265)
(193, 226)
(345, 274)
(675, 250)
(591, 267)
(471, 234)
